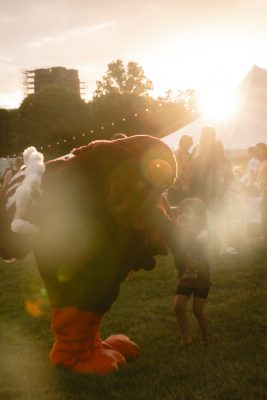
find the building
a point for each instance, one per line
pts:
(37, 79)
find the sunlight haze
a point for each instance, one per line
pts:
(180, 45)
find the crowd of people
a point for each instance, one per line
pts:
(214, 203)
(231, 194)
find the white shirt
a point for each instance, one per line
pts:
(253, 164)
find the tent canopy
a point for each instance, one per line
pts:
(247, 127)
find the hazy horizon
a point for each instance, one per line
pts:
(193, 44)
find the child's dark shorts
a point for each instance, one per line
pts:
(187, 291)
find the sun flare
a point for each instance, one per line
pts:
(217, 103)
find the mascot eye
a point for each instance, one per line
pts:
(158, 173)
(158, 167)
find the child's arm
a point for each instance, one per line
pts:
(202, 241)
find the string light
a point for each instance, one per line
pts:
(135, 115)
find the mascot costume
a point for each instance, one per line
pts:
(89, 220)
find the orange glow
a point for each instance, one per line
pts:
(156, 169)
(34, 307)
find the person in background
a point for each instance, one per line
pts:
(204, 180)
(252, 166)
(211, 182)
(13, 168)
(193, 265)
(223, 210)
(261, 185)
(182, 186)
(206, 141)
(249, 202)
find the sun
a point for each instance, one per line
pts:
(217, 103)
(11, 100)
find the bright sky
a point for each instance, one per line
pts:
(180, 44)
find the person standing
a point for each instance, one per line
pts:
(13, 168)
(204, 177)
(261, 185)
(193, 266)
(182, 186)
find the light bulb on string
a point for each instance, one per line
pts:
(92, 131)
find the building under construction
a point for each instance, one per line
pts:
(37, 79)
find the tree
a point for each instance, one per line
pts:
(7, 137)
(123, 80)
(186, 97)
(50, 119)
(117, 112)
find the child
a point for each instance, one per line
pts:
(193, 265)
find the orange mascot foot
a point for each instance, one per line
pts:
(123, 345)
(78, 345)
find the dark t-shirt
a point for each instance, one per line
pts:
(194, 266)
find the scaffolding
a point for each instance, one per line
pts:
(35, 80)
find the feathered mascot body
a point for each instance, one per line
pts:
(89, 220)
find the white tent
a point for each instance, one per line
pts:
(247, 127)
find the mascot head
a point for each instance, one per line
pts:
(135, 186)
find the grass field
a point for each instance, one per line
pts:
(233, 366)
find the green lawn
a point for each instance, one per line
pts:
(233, 366)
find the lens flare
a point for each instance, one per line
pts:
(158, 173)
(157, 168)
(34, 307)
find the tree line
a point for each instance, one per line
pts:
(121, 103)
